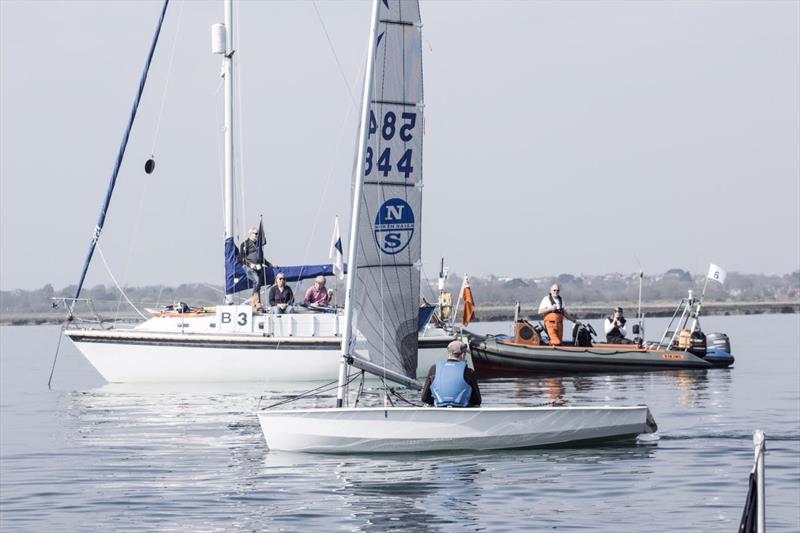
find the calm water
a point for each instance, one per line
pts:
(91, 456)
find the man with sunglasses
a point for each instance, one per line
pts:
(552, 308)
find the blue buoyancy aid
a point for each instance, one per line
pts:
(449, 389)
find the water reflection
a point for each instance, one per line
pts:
(692, 388)
(390, 494)
(531, 391)
(428, 492)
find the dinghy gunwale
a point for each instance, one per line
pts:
(346, 410)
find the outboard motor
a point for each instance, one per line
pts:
(698, 343)
(718, 342)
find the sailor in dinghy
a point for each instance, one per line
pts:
(452, 383)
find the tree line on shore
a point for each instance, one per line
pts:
(670, 286)
(491, 290)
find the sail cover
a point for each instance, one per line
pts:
(236, 279)
(385, 291)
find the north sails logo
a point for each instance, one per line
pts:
(394, 226)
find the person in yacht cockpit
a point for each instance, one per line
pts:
(255, 265)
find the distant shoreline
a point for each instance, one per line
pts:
(489, 313)
(594, 311)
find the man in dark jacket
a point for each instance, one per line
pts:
(251, 254)
(452, 383)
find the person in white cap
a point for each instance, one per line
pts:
(452, 383)
(317, 295)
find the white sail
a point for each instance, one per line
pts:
(387, 239)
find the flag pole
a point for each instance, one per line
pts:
(458, 303)
(699, 306)
(336, 253)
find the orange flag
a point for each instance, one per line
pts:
(469, 303)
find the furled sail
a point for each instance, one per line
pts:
(386, 286)
(236, 279)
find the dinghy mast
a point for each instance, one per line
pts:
(382, 294)
(351, 253)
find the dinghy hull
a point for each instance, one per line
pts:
(423, 429)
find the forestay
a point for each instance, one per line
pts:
(385, 289)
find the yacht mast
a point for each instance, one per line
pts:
(354, 218)
(227, 74)
(222, 43)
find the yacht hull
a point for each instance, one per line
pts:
(427, 429)
(148, 357)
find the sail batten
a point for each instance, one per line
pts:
(406, 104)
(387, 247)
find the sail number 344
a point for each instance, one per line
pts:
(391, 126)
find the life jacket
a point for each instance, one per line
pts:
(553, 302)
(449, 389)
(558, 314)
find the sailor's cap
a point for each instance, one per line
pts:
(457, 348)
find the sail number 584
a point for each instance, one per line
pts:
(388, 129)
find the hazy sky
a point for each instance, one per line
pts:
(580, 137)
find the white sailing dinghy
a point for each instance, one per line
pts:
(383, 290)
